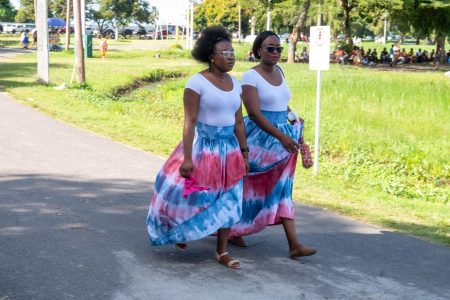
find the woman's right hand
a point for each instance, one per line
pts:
(186, 168)
(289, 144)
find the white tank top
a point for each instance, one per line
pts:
(217, 107)
(271, 97)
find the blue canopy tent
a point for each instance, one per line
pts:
(55, 22)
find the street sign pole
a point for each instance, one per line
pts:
(319, 60)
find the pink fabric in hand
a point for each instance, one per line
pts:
(191, 186)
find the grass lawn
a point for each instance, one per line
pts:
(385, 144)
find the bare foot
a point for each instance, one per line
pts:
(237, 241)
(300, 251)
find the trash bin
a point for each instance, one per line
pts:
(87, 41)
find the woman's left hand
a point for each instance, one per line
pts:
(247, 167)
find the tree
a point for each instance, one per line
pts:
(7, 11)
(432, 16)
(122, 12)
(223, 12)
(347, 6)
(299, 26)
(25, 14)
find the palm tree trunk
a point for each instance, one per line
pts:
(296, 31)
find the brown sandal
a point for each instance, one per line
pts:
(181, 246)
(232, 264)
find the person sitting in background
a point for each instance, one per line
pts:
(356, 56)
(404, 58)
(53, 41)
(419, 57)
(411, 55)
(373, 59)
(425, 57)
(384, 57)
(432, 54)
(304, 57)
(250, 56)
(448, 56)
(340, 55)
(365, 56)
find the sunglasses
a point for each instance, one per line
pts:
(271, 49)
(226, 53)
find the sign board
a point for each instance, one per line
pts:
(319, 48)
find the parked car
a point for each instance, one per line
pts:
(141, 33)
(111, 32)
(126, 32)
(160, 33)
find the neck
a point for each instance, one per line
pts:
(217, 73)
(270, 69)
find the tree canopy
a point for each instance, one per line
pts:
(7, 11)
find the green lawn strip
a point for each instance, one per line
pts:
(384, 155)
(420, 218)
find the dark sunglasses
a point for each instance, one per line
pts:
(271, 49)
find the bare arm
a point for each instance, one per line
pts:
(191, 105)
(239, 131)
(251, 102)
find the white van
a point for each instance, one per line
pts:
(18, 27)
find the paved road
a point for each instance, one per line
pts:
(72, 226)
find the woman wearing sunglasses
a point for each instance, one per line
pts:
(199, 190)
(273, 145)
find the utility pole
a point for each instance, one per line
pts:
(268, 18)
(42, 41)
(191, 37)
(385, 26)
(239, 25)
(68, 25)
(79, 61)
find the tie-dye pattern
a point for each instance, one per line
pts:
(268, 187)
(218, 165)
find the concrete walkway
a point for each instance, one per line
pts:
(72, 226)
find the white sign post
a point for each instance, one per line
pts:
(42, 41)
(319, 59)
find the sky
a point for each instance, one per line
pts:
(170, 11)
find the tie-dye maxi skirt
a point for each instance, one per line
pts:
(219, 166)
(268, 187)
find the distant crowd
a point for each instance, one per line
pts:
(393, 56)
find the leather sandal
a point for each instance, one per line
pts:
(237, 241)
(181, 246)
(232, 264)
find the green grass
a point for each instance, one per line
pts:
(384, 135)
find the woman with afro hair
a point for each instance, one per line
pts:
(198, 191)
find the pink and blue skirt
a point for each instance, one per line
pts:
(268, 187)
(218, 166)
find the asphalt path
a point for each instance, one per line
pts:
(72, 226)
